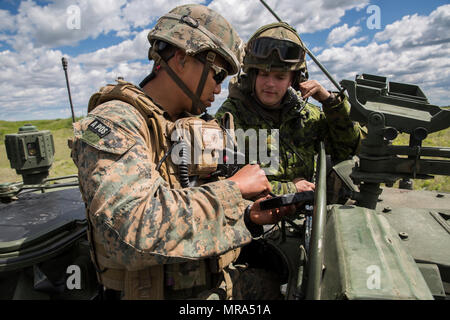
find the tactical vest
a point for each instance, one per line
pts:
(150, 283)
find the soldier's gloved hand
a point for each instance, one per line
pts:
(312, 88)
(252, 181)
(270, 216)
(303, 185)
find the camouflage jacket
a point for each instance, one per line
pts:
(141, 220)
(301, 127)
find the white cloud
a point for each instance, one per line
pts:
(47, 26)
(416, 30)
(6, 20)
(356, 40)
(127, 50)
(31, 75)
(412, 50)
(140, 13)
(50, 25)
(341, 34)
(32, 81)
(306, 16)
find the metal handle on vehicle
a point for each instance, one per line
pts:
(318, 229)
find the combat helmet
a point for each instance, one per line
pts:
(196, 29)
(276, 47)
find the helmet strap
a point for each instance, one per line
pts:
(196, 102)
(209, 61)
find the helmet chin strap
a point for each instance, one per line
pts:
(210, 57)
(197, 104)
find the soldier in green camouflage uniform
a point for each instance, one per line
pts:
(266, 97)
(150, 237)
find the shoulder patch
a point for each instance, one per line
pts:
(99, 128)
(108, 136)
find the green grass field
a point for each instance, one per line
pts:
(61, 130)
(63, 165)
(442, 139)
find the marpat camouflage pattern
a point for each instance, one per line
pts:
(141, 220)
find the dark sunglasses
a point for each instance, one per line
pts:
(219, 73)
(288, 51)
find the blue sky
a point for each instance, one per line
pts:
(411, 44)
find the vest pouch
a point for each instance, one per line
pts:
(146, 284)
(205, 142)
(217, 264)
(185, 275)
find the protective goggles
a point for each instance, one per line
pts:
(219, 73)
(288, 51)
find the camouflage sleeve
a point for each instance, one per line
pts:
(279, 187)
(139, 219)
(230, 106)
(342, 136)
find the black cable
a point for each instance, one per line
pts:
(183, 166)
(165, 156)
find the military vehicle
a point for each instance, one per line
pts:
(358, 240)
(352, 239)
(44, 252)
(368, 242)
(365, 242)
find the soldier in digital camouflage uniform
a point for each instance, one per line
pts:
(150, 238)
(266, 97)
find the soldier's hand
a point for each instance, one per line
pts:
(252, 181)
(312, 88)
(303, 185)
(270, 216)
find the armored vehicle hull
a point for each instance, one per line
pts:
(44, 252)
